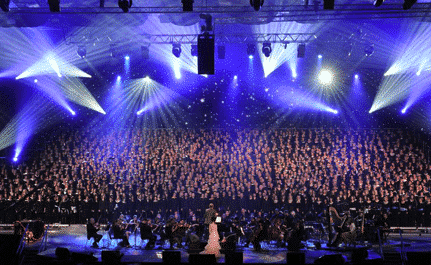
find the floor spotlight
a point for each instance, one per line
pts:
(176, 50)
(54, 5)
(378, 3)
(82, 51)
(125, 5)
(4, 5)
(266, 49)
(408, 4)
(187, 5)
(194, 50)
(251, 49)
(256, 4)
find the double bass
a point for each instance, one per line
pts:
(337, 222)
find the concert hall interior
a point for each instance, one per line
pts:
(222, 131)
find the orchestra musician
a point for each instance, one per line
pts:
(147, 232)
(120, 232)
(92, 229)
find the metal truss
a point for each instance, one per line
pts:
(284, 38)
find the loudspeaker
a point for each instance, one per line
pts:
(295, 258)
(221, 51)
(200, 259)
(171, 257)
(206, 54)
(335, 259)
(234, 258)
(62, 253)
(418, 258)
(111, 257)
(83, 258)
(359, 254)
(301, 50)
(328, 4)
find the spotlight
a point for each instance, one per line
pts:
(125, 5)
(418, 73)
(118, 78)
(4, 5)
(15, 159)
(301, 50)
(54, 5)
(235, 77)
(127, 57)
(251, 49)
(325, 77)
(194, 50)
(356, 76)
(176, 50)
(319, 56)
(82, 51)
(408, 4)
(250, 57)
(187, 5)
(73, 113)
(266, 49)
(403, 111)
(369, 50)
(378, 3)
(35, 80)
(147, 79)
(256, 4)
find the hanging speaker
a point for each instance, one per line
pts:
(206, 54)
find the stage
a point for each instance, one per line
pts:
(74, 239)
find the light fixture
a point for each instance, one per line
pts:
(408, 4)
(208, 22)
(251, 49)
(187, 5)
(256, 4)
(54, 5)
(4, 5)
(125, 5)
(378, 3)
(266, 49)
(82, 51)
(176, 50)
(194, 50)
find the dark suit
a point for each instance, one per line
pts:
(92, 233)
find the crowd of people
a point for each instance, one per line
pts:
(161, 172)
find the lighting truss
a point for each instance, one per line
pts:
(193, 38)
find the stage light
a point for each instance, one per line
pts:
(356, 76)
(251, 49)
(72, 112)
(176, 50)
(408, 4)
(118, 78)
(147, 79)
(15, 159)
(4, 5)
(127, 57)
(418, 73)
(266, 49)
(235, 77)
(139, 112)
(82, 51)
(403, 111)
(378, 3)
(369, 50)
(187, 5)
(35, 80)
(54, 5)
(294, 73)
(194, 50)
(256, 4)
(319, 56)
(301, 50)
(125, 5)
(325, 77)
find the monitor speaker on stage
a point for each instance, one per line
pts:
(234, 258)
(62, 253)
(83, 258)
(334, 259)
(418, 258)
(295, 258)
(111, 257)
(202, 259)
(359, 255)
(171, 257)
(206, 54)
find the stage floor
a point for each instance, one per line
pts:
(74, 238)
